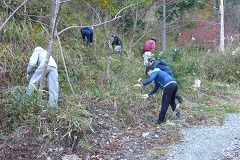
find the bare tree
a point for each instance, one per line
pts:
(222, 27)
(164, 43)
(53, 36)
(53, 7)
(133, 31)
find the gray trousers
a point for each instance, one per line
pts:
(118, 49)
(52, 77)
(146, 56)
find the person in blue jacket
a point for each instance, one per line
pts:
(87, 35)
(118, 42)
(163, 65)
(168, 85)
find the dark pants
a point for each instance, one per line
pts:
(168, 98)
(87, 34)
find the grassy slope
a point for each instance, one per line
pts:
(114, 103)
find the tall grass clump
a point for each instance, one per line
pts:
(22, 110)
(221, 67)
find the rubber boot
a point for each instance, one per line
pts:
(161, 117)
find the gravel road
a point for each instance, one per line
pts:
(209, 142)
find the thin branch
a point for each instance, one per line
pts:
(94, 11)
(30, 15)
(124, 9)
(59, 42)
(152, 28)
(145, 33)
(44, 24)
(127, 7)
(64, 1)
(87, 26)
(117, 16)
(12, 14)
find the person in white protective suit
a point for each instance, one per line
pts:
(38, 58)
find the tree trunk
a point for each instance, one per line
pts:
(133, 32)
(53, 36)
(222, 26)
(105, 28)
(94, 36)
(164, 27)
(53, 8)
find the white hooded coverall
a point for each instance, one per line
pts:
(38, 58)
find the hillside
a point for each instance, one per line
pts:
(103, 115)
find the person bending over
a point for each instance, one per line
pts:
(163, 65)
(38, 58)
(87, 35)
(148, 50)
(117, 42)
(168, 85)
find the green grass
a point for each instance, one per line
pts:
(95, 95)
(206, 108)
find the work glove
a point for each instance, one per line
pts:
(138, 85)
(28, 77)
(140, 79)
(145, 96)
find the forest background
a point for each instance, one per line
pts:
(98, 105)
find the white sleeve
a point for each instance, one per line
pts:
(33, 62)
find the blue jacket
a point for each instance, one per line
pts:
(162, 64)
(160, 78)
(87, 32)
(117, 41)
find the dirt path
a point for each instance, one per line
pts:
(148, 142)
(209, 142)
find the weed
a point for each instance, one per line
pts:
(114, 100)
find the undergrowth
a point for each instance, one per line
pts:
(96, 97)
